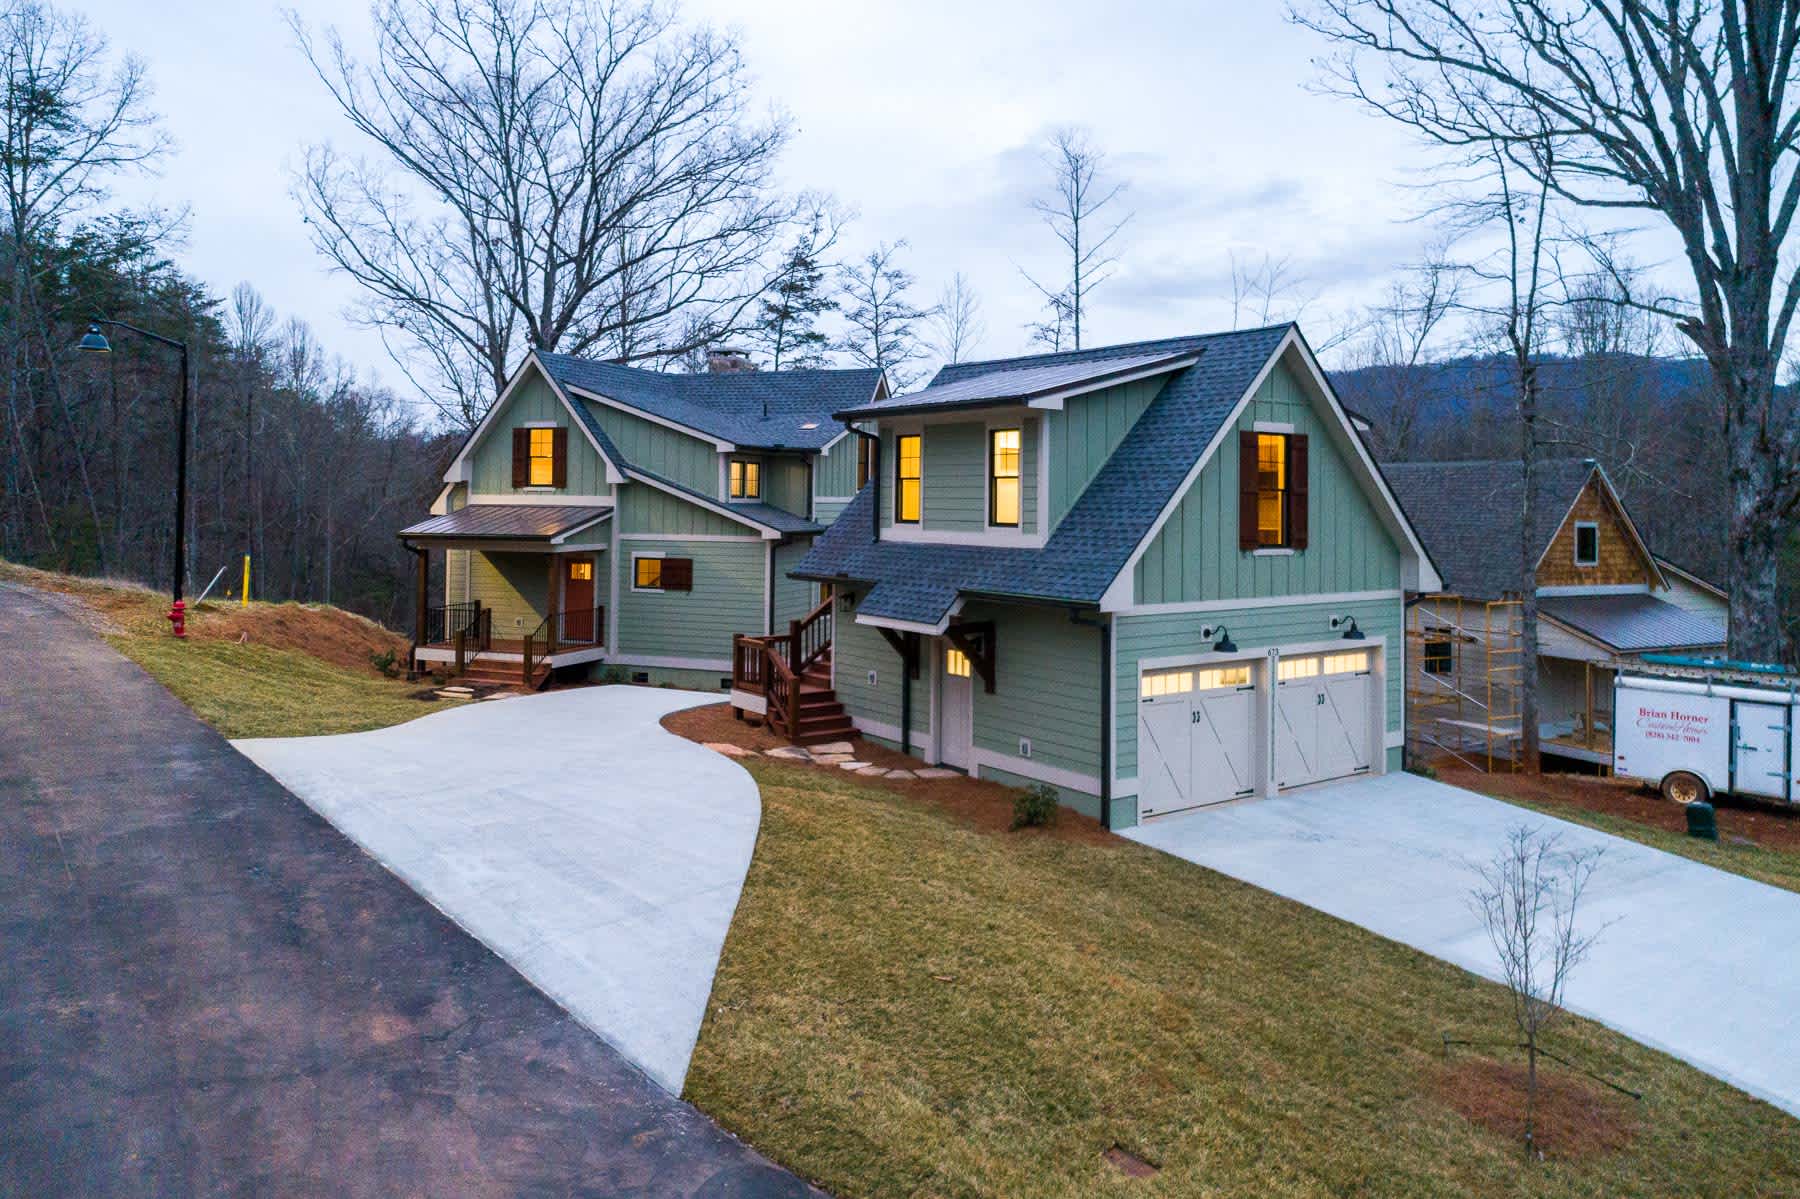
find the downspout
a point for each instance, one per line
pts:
(874, 440)
(911, 642)
(1105, 626)
(769, 575)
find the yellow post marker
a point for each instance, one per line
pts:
(244, 599)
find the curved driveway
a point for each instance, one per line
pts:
(599, 854)
(207, 990)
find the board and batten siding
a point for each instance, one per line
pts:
(727, 599)
(532, 401)
(1046, 689)
(784, 483)
(1252, 627)
(858, 649)
(646, 509)
(1196, 556)
(794, 598)
(834, 479)
(954, 474)
(1086, 432)
(689, 461)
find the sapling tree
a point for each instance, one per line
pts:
(1527, 900)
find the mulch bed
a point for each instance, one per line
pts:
(1575, 1117)
(974, 802)
(1739, 820)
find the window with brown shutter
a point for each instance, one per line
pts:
(651, 573)
(1247, 491)
(559, 457)
(678, 574)
(1272, 493)
(521, 457)
(1296, 491)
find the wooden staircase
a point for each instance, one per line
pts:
(487, 672)
(822, 717)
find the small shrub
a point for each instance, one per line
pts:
(386, 663)
(1036, 806)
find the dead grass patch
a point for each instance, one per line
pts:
(1576, 1117)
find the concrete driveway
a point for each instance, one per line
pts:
(597, 853)
(1700, 963)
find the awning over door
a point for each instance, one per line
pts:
(545, 525)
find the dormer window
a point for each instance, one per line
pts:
(1272, 490)
(907, 479)
(746, 479)
(1587, 543)
(1003, 477)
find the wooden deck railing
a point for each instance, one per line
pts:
(579, 629)
(810, 636)
(772, 666)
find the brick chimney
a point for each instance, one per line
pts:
(724, 360)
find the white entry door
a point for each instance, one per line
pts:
(1759, 736)
(957, 716)
(1323, 712)
(1196, 737)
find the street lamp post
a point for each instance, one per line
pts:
(94, 342)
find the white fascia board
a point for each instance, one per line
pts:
(1669, 568)
(1054, 401)
(1596, 589)
(528, 499)
(441, 505)
(769, 533)
(1121, 592)
(458, 470)
(910, 626)
(723, 446)
(584, 526)
(614, 474)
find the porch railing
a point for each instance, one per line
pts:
(578, 629)
(810, 636)
(444, 623)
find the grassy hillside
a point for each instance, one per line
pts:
(268, 670)
(911, 1002)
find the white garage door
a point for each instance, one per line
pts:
(1324, 709)
(1196, 737)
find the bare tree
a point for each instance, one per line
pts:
(1527, 900)
(1051, 329)
(957, 319)
(1266, 291)
(1402, 330)
(1681, 108)
(1076, 210)
(884, 323)
(580, 175)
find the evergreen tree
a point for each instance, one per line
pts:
(786, 326)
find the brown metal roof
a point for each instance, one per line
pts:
(517, 522)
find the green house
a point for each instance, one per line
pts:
(603, 516)
(1154, 576)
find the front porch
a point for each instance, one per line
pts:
(460, 636)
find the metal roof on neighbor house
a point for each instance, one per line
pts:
(919, 583)
(1633, 623)
(1467, 514)
(1022, 384)
(503, 522)
(752, 409)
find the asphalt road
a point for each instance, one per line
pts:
(205, 989)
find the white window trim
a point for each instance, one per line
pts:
(893, 480)
(990, 427)
(743, 499)
(659, 554)
(1576, 548)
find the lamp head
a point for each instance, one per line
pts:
(94, 341)
(1222, 642)
(1348, 624)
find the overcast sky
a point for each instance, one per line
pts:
(926, 116)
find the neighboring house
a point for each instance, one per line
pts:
(602, 514)
(1154, 576)
(1604, 600)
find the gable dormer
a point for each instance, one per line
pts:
(1597, 546)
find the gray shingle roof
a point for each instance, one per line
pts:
(1467, 514)
(919, 582)
(531, 522)
(1633, 623)
(767, 515)
(753, 409)
(1018, 384)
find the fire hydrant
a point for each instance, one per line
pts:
(178, 617)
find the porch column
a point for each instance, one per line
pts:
(420, 600)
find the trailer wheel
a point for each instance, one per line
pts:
(1684, 788)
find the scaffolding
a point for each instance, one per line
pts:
(1465, 665)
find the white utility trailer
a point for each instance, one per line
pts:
(1696, 727)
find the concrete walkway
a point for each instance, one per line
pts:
(599, 854)
(205, 989)
(1700, 963)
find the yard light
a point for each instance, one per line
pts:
(94, 342)
(1348, 624)
(1224, 644)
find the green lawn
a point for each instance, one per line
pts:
(909, 1006)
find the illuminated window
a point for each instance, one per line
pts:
(1297, 668)
(1183, 680)
(906, 479)
(542, 469)
(956, 663)
(1312, 667)
(581, 572)
(1271, 489)
(746, 480)
(1353, 663)
(1003, 477)
(649, 574)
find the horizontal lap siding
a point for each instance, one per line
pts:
(1086, 432)
(660, 450)
(794, 598)
(1196, 557)
(856, 650)
(727, 599)
(1251, 627)
(456, 576)
(532, 400)
(514, 586)
(1046, 687)
(827, 511)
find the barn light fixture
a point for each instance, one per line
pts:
(94, 341)
(1221, 639)
(1348, 624)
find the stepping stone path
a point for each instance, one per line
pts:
(728, 749)
(841, 754)
(857, 766)
(937, 772)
